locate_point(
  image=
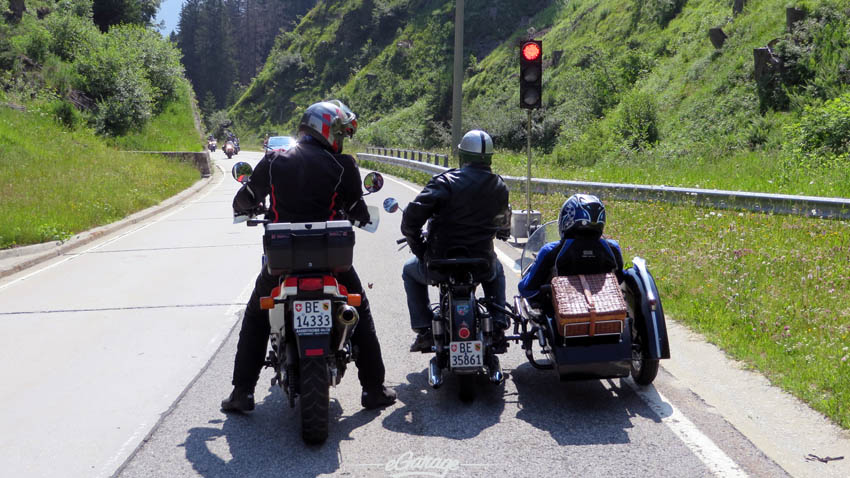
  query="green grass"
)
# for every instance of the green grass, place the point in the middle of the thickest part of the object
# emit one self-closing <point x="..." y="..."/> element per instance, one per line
<point x="742" y="171"/>
<point x="768" y="289"/>
<point x="171" y="130"/>
<point x="55" y="183"/>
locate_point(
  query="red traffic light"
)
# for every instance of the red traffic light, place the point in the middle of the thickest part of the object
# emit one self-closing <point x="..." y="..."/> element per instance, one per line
<point x="530" y="51"/>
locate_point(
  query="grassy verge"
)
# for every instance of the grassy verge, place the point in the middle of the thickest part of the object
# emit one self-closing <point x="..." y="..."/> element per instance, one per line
<point x="768" y="289"/>
<point x="745" y="171"/>
<point x="171" y="130"/>
<point x="55" y="183"/>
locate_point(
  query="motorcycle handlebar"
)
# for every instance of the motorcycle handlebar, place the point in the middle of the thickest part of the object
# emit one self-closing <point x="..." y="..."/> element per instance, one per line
<point x="401" y="241"/>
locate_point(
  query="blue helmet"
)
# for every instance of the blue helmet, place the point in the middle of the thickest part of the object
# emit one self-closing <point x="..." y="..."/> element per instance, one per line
<point x="581" y="215"/>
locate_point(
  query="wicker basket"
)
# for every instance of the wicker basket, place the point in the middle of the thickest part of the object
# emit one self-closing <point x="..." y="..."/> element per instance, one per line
<point x="588" y="305"/>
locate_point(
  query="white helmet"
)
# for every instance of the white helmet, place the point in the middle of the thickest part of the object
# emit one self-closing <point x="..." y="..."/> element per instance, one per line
<point x="476" y="146"/>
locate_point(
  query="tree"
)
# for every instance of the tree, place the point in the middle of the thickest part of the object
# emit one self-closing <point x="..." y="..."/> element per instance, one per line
<point x="113" y="12"/>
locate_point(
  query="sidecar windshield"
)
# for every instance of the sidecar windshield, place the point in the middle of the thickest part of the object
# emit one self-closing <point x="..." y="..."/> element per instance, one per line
<point x="541" y="236"/>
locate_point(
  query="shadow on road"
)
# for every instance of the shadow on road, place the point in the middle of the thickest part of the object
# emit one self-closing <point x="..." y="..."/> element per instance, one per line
<point x="429" y="412"/>
<point x="584" y="412"/>
<point x="268" y="442"/>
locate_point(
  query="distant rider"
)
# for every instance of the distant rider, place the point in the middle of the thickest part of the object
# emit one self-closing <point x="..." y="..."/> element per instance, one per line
<point x="581" y="250"/>
<point x="309" y="182"/>
<point x="467" y="208"/>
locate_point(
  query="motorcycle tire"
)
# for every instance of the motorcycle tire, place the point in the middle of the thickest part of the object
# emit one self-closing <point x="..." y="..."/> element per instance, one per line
<point x="314" y="400"/>
<point x="229" y="155"/>
<point x="466" y="391"/>
<point x="643" y="369"/>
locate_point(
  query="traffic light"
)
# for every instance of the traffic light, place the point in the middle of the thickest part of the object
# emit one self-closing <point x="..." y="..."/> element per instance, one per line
<point x="530" y="74"/>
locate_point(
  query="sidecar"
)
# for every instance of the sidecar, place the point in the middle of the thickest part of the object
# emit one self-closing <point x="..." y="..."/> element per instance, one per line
<point x="628" y="338"/>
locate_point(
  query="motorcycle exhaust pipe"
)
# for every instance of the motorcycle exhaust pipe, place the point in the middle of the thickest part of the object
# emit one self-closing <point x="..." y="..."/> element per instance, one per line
<point x="346" y="319"/>
<point x="435" y="375"/>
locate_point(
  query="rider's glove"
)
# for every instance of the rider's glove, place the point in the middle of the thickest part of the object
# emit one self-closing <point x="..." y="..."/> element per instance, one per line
<point x="503" y="234"/>
<point x="417" y="247"/>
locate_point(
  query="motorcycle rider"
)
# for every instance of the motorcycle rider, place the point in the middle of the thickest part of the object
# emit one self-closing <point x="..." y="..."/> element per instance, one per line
<point x="581" y="250"/>
<point x="312" y="181"/>
<point x="467" y="208"/>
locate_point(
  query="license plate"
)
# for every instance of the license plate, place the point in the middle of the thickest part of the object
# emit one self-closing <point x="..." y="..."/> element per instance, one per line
<point x="311" y="317"/>
<point x="466" y="354"/>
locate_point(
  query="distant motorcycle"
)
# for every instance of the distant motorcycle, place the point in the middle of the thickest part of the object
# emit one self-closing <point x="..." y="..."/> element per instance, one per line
<point x="211" y="144"/>
<point x="229" y="149"/>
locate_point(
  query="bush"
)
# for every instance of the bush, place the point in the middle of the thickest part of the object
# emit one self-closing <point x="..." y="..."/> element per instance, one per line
<point x="636" y="120"/>
<point x="128" y="105"/>
<point x="159" y="60"/>
<point x="591" y="146"/>
<point x="110" y="74"/>
<point x="822" y="133"/>
<point x="32" y="40"/>
<point x="662" y="11"/>
<point x="72" y="35"/>
<point x="66" y="114"/>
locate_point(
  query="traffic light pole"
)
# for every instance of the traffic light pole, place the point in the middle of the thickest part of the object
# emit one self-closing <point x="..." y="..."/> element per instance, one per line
<point x="528" y="178"/>
<point x="457" y="87"/>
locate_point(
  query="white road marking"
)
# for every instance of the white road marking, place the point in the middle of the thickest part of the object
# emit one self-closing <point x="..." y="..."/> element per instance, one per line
<point x="507" y="261"/>
<point x="417" y="191"/>
<point x="702" y="447"/>
<point x="108" y="468"/>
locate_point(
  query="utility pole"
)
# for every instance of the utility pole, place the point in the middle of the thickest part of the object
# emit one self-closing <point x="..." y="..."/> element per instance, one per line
<point x="457" y="84"/>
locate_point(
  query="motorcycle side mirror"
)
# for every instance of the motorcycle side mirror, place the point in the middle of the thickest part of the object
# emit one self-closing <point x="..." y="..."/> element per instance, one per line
<point x="242" y="171"/>
<point x="391" y="205"/>
<point x="373" y="182"/>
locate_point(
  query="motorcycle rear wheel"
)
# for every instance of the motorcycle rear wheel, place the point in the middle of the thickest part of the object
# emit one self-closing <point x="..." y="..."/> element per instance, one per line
<point x="314" y="400"/>
<point x="466" y="383"/>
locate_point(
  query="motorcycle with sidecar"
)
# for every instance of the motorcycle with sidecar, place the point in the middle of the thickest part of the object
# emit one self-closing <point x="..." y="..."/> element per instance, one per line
<point x="592" y="345"/>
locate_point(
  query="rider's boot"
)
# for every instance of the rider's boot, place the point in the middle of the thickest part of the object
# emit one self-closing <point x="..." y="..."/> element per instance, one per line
<point x="378" y="398"/>
<point x="240" y="400"/>
<point x="423" y="342"/>
<point x="500" y="344"/>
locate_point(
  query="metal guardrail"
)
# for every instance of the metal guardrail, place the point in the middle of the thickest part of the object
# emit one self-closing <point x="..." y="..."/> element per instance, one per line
<point x="421" y="156"/>
<point x="811" y="206"/>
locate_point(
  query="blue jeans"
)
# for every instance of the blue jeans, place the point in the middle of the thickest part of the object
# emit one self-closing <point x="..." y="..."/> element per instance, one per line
<point x="415" y="277"/>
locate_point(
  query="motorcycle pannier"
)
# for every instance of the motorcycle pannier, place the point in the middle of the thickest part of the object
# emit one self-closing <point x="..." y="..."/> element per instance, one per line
<point x="308" y="247"/>
<point x="588" y="305"/>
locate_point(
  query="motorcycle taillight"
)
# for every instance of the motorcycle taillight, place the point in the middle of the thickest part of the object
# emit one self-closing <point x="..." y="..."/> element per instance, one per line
<point x="311" y="283"/>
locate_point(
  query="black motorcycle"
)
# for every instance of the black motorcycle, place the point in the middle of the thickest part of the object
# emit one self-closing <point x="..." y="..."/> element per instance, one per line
<point x="462" y="325"/>
<point x="312" y="316"/>
<point x="594" y="346"/>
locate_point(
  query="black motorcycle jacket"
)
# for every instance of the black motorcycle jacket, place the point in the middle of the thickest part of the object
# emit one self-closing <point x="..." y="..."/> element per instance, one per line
<point x="306" y="183"/>
<point x="466" y="208"/>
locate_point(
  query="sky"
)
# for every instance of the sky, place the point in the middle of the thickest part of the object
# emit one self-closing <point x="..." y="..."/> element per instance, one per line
<point x="169" y="10"/>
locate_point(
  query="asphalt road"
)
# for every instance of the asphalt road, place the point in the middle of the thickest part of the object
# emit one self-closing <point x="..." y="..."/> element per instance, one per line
<point x="116" y="358"/>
